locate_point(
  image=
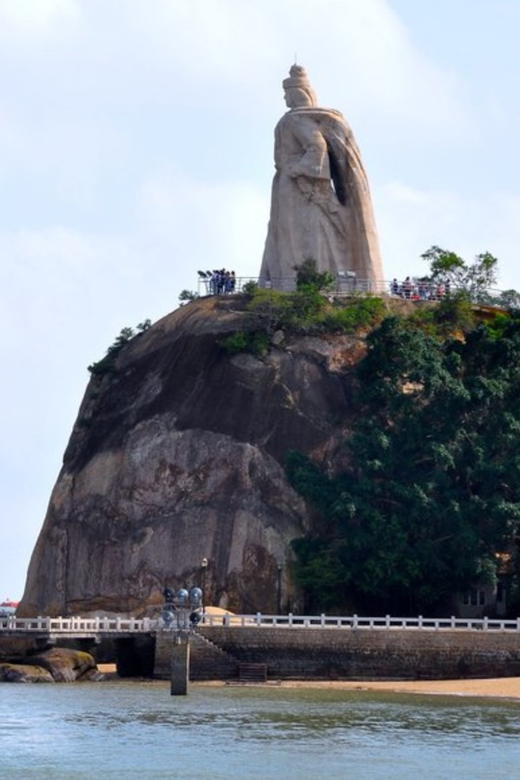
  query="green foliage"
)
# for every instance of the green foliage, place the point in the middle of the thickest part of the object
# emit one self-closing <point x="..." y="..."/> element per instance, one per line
<point x="250" y="288"/>
<point x="187" y="295"/>
<point x="307" y="275"/>
<point x="472" y="280"/>
<point x="454" y="313"/>
<point x="354" y="314"/>
<point x="308" y="311"/>
<point x="432" y="494"/>
<point x="256" y="343"/>
<point x="106" y="364"/>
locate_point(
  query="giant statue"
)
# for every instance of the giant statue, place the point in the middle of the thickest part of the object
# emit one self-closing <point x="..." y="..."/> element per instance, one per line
<point x="321" y="208"/>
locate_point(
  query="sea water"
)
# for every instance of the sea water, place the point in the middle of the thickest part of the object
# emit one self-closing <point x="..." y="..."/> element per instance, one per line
<point x="127" y="729"/>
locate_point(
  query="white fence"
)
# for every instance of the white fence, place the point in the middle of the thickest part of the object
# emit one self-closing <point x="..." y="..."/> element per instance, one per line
<point x="77" y="625"/>
<point x="120" y="625"/>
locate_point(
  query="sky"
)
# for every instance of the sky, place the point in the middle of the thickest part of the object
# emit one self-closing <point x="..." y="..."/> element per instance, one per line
<point x="136" y="146"/>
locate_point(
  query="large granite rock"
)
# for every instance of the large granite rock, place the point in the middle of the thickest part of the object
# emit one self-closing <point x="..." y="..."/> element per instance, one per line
<point x="177" y="455"/>
<point x="59" y="664"/>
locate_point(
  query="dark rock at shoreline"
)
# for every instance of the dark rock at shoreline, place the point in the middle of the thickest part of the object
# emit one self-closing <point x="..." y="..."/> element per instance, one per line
<point x="24" y="673"/>
<point x="54" y="665"/>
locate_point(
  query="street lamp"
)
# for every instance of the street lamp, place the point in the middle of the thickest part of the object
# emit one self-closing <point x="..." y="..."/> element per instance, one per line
<point x="182" y="609"/>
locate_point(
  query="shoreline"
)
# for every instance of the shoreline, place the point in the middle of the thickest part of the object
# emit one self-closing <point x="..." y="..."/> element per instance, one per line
<point x="488" y="687"/>
<point x="492" y="688"/>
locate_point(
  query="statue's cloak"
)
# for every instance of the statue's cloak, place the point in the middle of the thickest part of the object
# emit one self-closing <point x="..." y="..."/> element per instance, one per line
<point x="321" y="207"/>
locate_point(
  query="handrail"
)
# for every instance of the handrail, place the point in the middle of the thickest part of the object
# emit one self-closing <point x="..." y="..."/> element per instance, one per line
<point x="346" y="284"/>
<point x="117" y="625"/>
<point x="355" y="621"/>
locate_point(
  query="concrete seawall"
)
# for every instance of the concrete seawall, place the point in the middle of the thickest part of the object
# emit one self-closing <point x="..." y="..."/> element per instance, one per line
<point x="304" y="653"/>
<point x="328" y="654"/>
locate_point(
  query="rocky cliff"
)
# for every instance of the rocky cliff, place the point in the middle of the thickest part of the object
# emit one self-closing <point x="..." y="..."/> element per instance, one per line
<point x="177" y="455"/>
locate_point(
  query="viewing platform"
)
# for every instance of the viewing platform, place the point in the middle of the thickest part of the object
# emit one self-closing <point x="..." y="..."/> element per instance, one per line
<point x="346" y="284"/>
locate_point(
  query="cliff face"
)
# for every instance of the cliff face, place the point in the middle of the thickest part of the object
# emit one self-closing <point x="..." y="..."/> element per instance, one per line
<point x="177" y="456"/>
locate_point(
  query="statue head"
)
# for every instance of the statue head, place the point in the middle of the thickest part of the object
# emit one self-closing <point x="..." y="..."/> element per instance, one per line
<point x="298" y="90"/>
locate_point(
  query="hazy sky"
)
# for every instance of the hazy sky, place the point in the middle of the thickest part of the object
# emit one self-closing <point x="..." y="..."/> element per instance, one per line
<point x="136" y="143"/>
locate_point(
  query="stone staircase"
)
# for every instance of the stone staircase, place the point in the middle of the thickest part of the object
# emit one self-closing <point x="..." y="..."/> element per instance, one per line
<point x="210" y="662"/>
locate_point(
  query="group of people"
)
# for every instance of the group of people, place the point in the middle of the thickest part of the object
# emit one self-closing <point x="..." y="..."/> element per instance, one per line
<point x="420" y="289"/>
<point x="219" y="282"/>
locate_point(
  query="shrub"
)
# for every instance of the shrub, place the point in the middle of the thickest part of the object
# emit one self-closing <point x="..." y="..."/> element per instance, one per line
<point x="307" y="275"/>
<point x="237" y="342"/>
<point x="257" y="343"/>
<point x="355" y="314"/>
<point x="250" y="288"/>
<point x="126" y="334"/>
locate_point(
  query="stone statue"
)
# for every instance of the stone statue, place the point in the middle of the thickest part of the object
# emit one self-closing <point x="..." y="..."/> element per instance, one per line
<point x="320" y="207"/>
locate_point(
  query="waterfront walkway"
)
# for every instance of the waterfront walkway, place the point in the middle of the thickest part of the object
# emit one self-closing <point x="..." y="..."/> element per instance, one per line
<point x="85" y="627"/>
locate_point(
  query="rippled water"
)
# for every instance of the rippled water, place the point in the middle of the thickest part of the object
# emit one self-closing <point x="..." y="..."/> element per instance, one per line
<point x="133" y="729"/>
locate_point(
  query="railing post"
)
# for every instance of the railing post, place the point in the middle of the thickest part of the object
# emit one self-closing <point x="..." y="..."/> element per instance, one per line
<point x="258" y="618"/>
<point x="387" y="621"/>
<point x="452" y="624"/>
<point x="420" y="621"/>
<point x="290" y="617"/>
<point x="322" y="620"/>
<point x="485" y="623"/>
<point x="354" y="621"/>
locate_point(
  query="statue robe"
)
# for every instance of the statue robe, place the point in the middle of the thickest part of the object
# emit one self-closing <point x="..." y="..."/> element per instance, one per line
<point x="320" y="206"/>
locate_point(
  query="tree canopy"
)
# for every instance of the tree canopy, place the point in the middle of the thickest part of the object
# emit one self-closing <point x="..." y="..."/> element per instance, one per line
<point x="471" y="279"/>
<point x="432" y="493"/>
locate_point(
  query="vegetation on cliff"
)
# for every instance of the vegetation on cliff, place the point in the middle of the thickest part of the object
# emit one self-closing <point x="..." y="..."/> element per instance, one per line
<point x="312" y="308"/>
<point x="431" y="501"/>
<point x="125" y="335"/>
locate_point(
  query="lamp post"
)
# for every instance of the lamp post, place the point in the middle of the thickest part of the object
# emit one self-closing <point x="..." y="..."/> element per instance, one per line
<point x="279" y="568"/>
<point x="182" y="611"/>
<point x="203" y="566"/>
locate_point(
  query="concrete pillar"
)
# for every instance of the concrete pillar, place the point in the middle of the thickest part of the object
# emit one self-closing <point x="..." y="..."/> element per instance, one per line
<point x="180" y="665"/>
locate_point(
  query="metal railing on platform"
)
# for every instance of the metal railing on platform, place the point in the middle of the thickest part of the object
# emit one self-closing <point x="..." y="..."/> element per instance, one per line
<point x="118" y="625"/>
<point x="345" y="284"/>
<point x="348" y="285"/>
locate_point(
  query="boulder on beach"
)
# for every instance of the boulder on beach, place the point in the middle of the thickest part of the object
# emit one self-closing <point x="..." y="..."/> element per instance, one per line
<point x="58" y="664"/>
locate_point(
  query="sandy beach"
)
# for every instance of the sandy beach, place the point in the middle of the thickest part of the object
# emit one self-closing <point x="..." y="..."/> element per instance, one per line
<point x="503" y="687"/>
<point x="499" y="687"/>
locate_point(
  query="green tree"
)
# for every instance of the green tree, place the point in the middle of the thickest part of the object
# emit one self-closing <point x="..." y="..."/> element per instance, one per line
<point x="433" y="491"/>
<point x="186" y="296"/>
<point x="472" y="280"/>
<point x="307" y="275"/>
